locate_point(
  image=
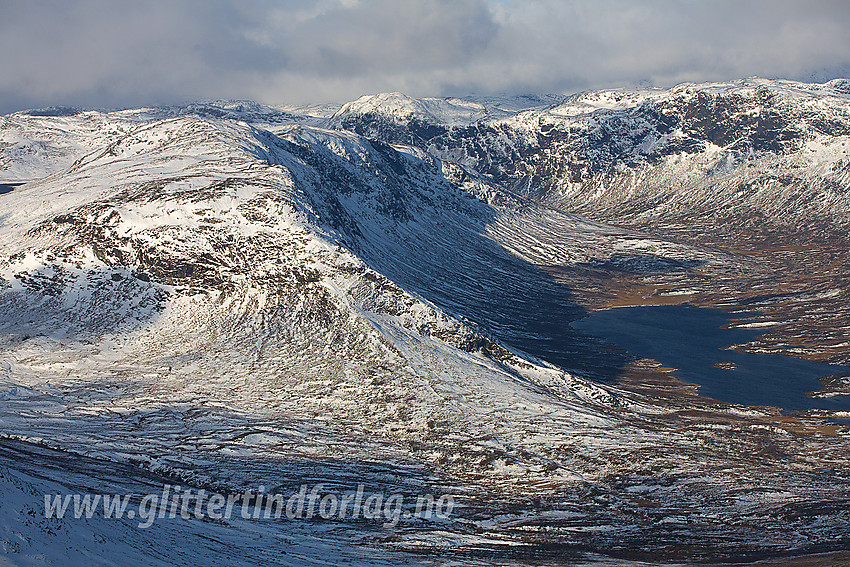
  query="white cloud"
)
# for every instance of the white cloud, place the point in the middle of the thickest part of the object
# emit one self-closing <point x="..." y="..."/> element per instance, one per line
<point x="103" y="53"/>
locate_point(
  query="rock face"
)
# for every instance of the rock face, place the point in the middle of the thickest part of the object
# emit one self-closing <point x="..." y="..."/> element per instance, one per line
<point x="231" y="294"/>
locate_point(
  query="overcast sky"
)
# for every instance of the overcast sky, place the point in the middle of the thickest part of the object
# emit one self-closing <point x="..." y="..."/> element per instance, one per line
<point x="98" y="53"/>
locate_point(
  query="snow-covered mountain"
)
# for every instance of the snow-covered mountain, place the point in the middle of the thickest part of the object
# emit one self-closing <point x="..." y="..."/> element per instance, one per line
<point x="776" y="148"/>
<point x="232" y="295"/>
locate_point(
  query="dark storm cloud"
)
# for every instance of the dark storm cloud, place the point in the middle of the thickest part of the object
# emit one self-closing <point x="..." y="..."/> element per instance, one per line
<point x="99" y="53"/>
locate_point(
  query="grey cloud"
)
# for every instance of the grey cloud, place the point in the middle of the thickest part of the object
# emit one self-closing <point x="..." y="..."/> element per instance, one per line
<point x="103" y="53"/>
<point x="388" y="36"/>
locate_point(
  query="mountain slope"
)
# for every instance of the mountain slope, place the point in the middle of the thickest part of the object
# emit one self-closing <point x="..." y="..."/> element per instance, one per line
<point x="230" y="227"/>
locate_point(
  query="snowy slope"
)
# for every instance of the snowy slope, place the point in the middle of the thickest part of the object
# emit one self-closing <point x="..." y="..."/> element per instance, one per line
<point x="36" y="143"/>
<point x="33" y="146"/>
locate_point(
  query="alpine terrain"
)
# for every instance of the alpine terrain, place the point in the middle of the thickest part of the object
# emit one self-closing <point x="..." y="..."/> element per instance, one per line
<point x="226" y="296"/>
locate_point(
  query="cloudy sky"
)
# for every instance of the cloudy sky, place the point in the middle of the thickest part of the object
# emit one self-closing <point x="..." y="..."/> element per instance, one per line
<point x="99" y="53"/>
